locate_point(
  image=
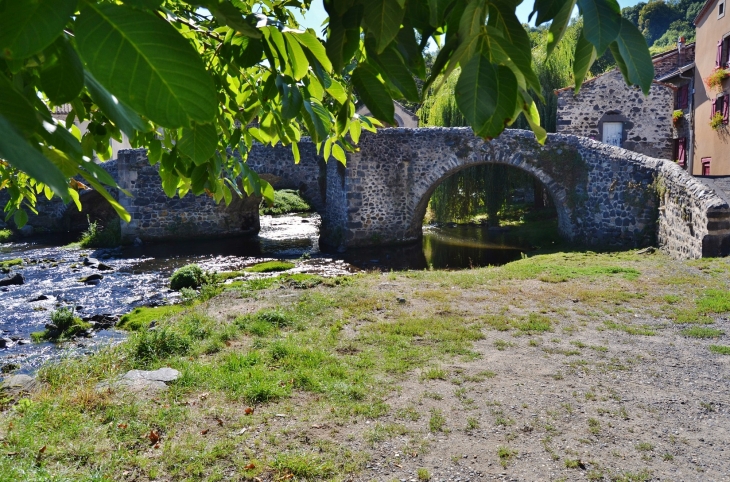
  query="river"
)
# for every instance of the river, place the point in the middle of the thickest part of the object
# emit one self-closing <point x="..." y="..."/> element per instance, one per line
<point x="139" y="274"/>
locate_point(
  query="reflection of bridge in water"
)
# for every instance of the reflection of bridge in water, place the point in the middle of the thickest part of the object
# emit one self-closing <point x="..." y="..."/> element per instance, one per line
<point x="603" y="195"/>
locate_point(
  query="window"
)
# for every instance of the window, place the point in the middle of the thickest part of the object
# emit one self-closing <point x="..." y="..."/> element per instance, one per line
<point x="722" y="58"/>
<point x="680" y="151"/>
<point x="682" y="100"/>
<point x="722" y="105"/>
<point x="721" y="9"/>
<point x="613" y="133"/>
<point x="706" y="166"/>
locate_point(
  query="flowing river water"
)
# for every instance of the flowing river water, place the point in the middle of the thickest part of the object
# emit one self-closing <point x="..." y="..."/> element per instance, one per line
<point x="139" y="275"/>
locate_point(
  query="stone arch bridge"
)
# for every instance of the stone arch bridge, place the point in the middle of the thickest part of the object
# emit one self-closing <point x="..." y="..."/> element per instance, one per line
<point x="605" y="196"/>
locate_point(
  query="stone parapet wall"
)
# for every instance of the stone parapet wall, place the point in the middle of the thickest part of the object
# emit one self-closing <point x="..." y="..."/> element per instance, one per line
<point x="157" y="217"/>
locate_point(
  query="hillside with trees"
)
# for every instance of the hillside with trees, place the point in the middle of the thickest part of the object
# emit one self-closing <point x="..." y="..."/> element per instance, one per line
<point x="663" y="22"/>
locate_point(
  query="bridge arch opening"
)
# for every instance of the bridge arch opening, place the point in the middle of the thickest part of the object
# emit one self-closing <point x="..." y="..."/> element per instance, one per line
<point x="486" y="214"/>
<point x="94" y="209"/>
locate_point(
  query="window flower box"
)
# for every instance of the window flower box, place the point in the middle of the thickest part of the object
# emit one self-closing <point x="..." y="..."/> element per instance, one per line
<point x="714" y="80"/>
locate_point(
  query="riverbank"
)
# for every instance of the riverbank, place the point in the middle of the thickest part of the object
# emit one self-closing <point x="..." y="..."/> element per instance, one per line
<point x="557" y="367"/>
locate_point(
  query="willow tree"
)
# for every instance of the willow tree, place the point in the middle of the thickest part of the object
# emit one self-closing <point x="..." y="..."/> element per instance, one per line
<point x="186" y="79"/>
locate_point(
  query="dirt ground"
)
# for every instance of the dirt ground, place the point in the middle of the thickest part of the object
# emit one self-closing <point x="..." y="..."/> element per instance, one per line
<point x="582" y="401"/>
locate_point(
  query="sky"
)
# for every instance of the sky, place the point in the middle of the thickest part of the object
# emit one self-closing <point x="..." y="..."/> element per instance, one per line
<point x="316" y="15"/>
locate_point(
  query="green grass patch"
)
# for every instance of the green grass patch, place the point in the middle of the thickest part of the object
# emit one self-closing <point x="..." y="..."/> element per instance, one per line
<point x="630" y="329"/>
<point x="533" y="323"/>
<point x="702" y="332"/>
<point x="140" y="318"/>
<point x="505" y="454"/>
<point x="285" y="201"/>
<point x="8" y="263"/>
<point x="714" y="301"/>
<point x="6" y="235"/>
<point x="561" y="267"/>
<point x="720" y="349"/>
<point x="270" y="267"/>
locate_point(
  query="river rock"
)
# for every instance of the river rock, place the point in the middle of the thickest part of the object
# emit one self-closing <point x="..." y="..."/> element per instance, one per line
<point x="6" y="342"/>
<point x="16" y="279"/>
<point x="91" y="278"/>
<point x="38" y="298"/>
<point x="142" y="381"/>
<point x="19" y="384"/>
<point x="90" y="262"/>
<point x="104" y="267"/>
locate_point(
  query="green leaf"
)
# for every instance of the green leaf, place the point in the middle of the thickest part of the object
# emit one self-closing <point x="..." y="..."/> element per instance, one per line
<point x="16" y="108"/>
<point x="226" y="13"/>
<point x="27" y="27"/>
<point x="123" y="117"/>
<point x="529" y="109"/>
<point x="299" y="63"/>
<point x="291" y="99"/>
<point x="616" y="52"/>
<point x="396" y="71"/>
<point x="437" y="11"/>
<point x="198" y="179"/>
<point x="635" y="54"/>
<point x="486" y="94"/>
<point x="382" y="19"/>
<point x="514" y="59"/>
<point x="146" y="63"/>
<point x="198" y="142"/>
<point x="295" y="152"/>
<point x="150" y="4"/>
<point x="355" y="130"/>
<point x="246" y="51"/>
<point x="310" y="40"/>
<point x="337" y="92"/>
<point x="20" y="217"/>
<point x="339" y="153"/>
<point x="19" y="154"/>
<point x="410" y="50"/>
<point x="168" y="174"/>
<point x="343" y="36"/>
<point x="63" y="79"/>
<point x="547" y="9"/>
<point x="441" y="59"/>
<point x="602" y="19"/>
<point x="559" y="25"/>
<point x="373" y="93"/>
<point x="585" y="55"/>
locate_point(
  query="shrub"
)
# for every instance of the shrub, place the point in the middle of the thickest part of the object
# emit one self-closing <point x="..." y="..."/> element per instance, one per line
<point x="189" y="276"/>
<point x="286" y="201"/>
<point x="97" y="236"/>
<point x="270" y="267"/>
<point x="5" y="235"/>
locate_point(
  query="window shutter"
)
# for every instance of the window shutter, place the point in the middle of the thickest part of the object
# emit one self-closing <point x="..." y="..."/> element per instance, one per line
<point x="725" y="105"/>
<point x="718" y="56"/>
<point x="714" y="109"/>
<point x="683" y="96"/>
<point x="681" y="150"/>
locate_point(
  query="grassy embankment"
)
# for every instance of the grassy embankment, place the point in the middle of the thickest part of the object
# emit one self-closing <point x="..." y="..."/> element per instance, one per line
<point x="324" y="369"/>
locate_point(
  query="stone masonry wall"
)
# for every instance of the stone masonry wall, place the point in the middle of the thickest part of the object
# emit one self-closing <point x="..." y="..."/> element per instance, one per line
<point x="604" y="195"/>
<point x="647" y="119"/>
<point x="157" y="217"/>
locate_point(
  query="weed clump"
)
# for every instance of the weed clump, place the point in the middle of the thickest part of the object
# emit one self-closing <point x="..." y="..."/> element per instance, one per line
<point x="702" y="332"/>
<point x="64" y="325"/>
<point x="6" y="235"/>
<point x="154" y="345"/>
<point x="720" y="349"/>
<point x="97" y="236"/>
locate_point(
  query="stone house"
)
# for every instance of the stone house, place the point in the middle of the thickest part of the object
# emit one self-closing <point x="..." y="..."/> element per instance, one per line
<point x="608" y="110"/>
<point x="711" y="143"/>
